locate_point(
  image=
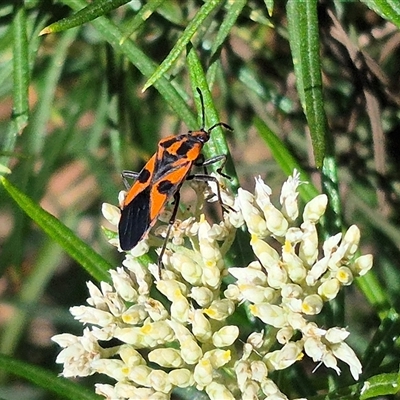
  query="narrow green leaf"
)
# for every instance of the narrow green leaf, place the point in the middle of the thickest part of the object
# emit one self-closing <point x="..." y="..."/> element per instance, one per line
<point x="330" y="184"/>
<point x="141" y="17"/>
<point x="262" y="92"/>
<point x="233" y="11"/>
<point x="20" y="67"/>
<point x="37" y="127"/>
<point x="4" y="170"/>
<point x="304" y="43"/>
<point x="375" y="292"/>
<point x="285" y="160"/>
<point x="46" y="380"/>
<point x="18" y="71"/>
<point x="388" y="9"/>
<point x="20" y="75"/>
<point x="270" y="6"/>
<point x="375" y="387"/>
<point x="381" y="385"/>
<point x="144" y="64"/>
<point x="217" y="144"/>
<point x="94" y="264"/>
<point x="383" y="342"/>
<point x="173" y="12"/>
<point x="180" y="45"/>
<point x="90" y="12"/>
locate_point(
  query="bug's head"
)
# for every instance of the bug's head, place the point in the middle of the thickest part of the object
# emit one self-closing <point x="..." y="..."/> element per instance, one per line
<point x="201" y="135"/>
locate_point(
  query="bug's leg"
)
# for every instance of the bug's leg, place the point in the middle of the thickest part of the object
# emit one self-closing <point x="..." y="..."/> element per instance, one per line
<point x="208" y="178"/>
<point x="214" y="160"/>
<point x="200" y="163"/>
<point x="128" y="175"/>
<point x="177" y="197"/>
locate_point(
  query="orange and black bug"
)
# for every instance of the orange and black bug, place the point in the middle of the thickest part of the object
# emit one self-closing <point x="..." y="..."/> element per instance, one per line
<point x="160" y="180"/>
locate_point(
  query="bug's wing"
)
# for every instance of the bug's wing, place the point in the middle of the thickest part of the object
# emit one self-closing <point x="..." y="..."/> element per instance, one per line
<point x="163" y="189"/>
<point x="140" y="214"/>
<point x="142" y="181"/>
<point x="135" y="213"/>
<point x="135" y="220"/>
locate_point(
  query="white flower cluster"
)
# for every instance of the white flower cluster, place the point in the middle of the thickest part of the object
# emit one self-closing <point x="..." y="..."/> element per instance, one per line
<point x="174" y="331"/>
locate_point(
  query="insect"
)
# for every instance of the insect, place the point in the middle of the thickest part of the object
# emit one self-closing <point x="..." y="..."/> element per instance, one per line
<point x="161" y="179"/>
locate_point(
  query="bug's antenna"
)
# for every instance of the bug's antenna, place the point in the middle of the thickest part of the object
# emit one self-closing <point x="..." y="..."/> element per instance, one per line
<point x="203" y="114"/>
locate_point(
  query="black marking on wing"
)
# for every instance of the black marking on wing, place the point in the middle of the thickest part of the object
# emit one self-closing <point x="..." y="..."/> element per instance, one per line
<point x="144" y="175"/>
<point x="167" y="168"/>
<point x="165" y="186"/>
<point x="135" y="220"/>
<point x="184" y="148"/>
<point x="167" y="143"/>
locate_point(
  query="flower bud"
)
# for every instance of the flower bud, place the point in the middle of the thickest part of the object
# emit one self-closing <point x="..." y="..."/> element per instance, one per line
<point x="225" y="336"/>
<point x="181" y="377"/>
<point x="363" y="264"/>
<point x="166" y="357"/>
<point x="329" y="289"/>
<point x="315" y="208"/>
<point x="312" y="304"/>
<point x="217" y="391"/>
<point x="202" y="295"/>
<point x="220" y="309"/>
<point x="203" y="373"/>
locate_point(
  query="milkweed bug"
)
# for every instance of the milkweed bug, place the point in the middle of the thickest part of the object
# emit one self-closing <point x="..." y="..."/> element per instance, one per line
<point x="161" y="179"/>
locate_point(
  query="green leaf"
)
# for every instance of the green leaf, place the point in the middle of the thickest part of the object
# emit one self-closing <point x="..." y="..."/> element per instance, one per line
<point x="285" y="159"/>
<point x="20" y="68"/>
<point x="180" y="45"/>
<point x="18" y="71"/>
<point x="381" y="385"/>
<point x="270" y="6"/>
<point x="233" y="11"/>
<point x="383" y="342"/>
<point x="46" y="380"/>
<point x="20" y="79"/>
<point x="94" y="264"/>
<point x="217" y="144"/>
<point x="374" y="387"/>
<point x="304" y="43"/>
<point x="90" y="12"/>
<point x="141" y="17"/>
<point x="46" y="93"/>
<point x="330" y="184"/>
<point x="144" y="64"/>
<point x="388" y="9"/>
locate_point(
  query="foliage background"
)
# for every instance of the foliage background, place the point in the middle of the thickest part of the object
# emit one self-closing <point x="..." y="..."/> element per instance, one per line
<point x="73" y="115"/>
